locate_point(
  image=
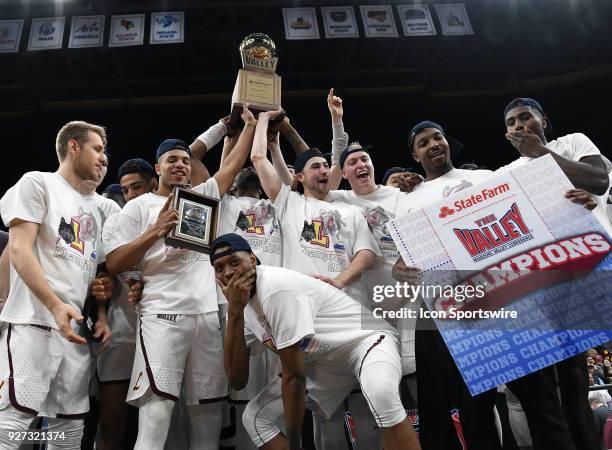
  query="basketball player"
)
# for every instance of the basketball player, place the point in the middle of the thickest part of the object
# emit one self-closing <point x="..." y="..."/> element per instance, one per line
<point x="323" y="340"/>
<point x="178" y="336"/>
<point x="55" y="243"/>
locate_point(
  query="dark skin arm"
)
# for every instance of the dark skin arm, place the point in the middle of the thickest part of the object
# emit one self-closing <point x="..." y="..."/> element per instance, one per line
<point x="235" y="351"/>
<point x="295" y="140"/>
<point x="294" y="392"/>
<point x="589" y="173"/>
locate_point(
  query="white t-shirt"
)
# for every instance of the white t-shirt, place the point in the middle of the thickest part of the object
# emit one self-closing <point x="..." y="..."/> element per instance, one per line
<point x="255" y="220"/>
<point x="121" y="314"/>
<point x="378" y="207"/>
<point x="574" y="147"/>
<point x="290" y="307"/>
<point x="68" y="244"/>
<point x="321" y="237"/>
<point x="176" y="281"/>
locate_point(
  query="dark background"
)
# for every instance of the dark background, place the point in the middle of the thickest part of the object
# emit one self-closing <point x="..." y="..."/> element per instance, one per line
<point x="558" y="51"/>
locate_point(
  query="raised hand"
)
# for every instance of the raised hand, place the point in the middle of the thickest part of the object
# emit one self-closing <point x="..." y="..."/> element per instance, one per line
<point x="247" y="116"/>
<point x="334" y="103"/>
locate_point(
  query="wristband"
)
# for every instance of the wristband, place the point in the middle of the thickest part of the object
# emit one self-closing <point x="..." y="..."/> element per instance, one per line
<point x="213" y="135"/>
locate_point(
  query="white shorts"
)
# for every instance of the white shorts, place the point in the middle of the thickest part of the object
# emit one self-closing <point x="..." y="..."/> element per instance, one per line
<point x="114" y="362"/>
<point x="179" y="348"/>
<point x="329" y="381"/>
<point x="42" y="373"/>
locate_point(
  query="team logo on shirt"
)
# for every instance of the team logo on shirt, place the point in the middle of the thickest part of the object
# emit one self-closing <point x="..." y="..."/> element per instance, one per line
<point x="248" y="224"/>
<point x="251" y="220"/>
<point x="81" y="228"/>
<point x="323" y="229"/>
<point x="494" y="235"/>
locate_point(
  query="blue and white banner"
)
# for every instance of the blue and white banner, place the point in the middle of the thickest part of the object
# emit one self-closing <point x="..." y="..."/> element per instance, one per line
<point x="127" y="30"/>
<point x="300" y="23"/>
<point x="339" y="22"/>
<point x="516" y="277"/>
<point x="10" y="35"/>
<point x="167" y="27"/>
<point x="416" y="20"/>
<point x="454" y="19"/>
<point x="86" y="31"/>
<point x="46" y="33"/>
<point x="378" y="21"/>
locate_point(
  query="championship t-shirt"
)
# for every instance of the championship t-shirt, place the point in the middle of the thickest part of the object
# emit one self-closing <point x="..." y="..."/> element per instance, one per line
<point x="121" y="314"/>
<point x="290" y="307"/>
<point x="176" y="281"/>
<point x="321" y="237"/>
<point x="68" y="245"/>
<point x="255" y="220"/>
<point x="574" y="147"/>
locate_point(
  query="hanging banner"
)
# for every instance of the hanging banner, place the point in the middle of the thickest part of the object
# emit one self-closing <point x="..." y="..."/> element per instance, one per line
<point x="339" y="22"/>
<point x="454" y="19"/>
<point x="378" y="21"/>
<point x="10" y="35"/>
<point x="300" y="23"/>
<point x="416" y="20"/>
<point x="167" y="27"/>
<point x="86" y="31"/>
<point x="516" y="276"/>
<point x="127" y="30"/>
<point x="46" y="33"/>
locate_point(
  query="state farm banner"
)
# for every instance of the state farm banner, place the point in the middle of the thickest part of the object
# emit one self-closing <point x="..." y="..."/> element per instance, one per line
<point x="167" y="27"/>
<point x="86" y="31"/>
<point x="127" y="30"/>
<point x="516" y="277"/>
<point x="46" y="33"/>
<point x="10" y="35"/>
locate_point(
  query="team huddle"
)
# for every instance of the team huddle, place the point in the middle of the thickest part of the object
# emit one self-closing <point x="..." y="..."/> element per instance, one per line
<point x="278" y="317"/>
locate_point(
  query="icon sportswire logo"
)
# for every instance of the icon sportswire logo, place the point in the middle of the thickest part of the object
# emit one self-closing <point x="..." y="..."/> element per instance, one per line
<point x="473" y="200"/>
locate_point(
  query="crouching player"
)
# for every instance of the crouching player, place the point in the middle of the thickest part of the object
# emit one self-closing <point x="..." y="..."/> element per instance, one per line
<point x="325" y="340"/>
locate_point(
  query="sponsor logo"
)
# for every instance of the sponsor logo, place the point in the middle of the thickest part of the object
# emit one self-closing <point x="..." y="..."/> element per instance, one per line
<point x="493" y="234"/>
<point x="473" y="200"/>
<point x="136" y="385"/>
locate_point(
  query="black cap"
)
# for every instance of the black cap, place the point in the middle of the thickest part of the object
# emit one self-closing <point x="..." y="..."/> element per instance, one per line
<point x="172" y="144"/>
<point x="454" y="144"/>
<point x="304" y="157"/>
<point x="353" y="147"/>
<point x="135" y="165"/>
<point x="235" y="242"/>
<point x="526" y="101"/>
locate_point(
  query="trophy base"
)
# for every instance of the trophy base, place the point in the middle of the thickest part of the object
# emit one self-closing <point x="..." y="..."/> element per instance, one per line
<point x="261" y="90"/>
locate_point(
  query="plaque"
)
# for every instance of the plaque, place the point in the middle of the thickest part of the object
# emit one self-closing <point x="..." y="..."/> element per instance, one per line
<point x="198" y="219"/>
<point x="257" y="83"/>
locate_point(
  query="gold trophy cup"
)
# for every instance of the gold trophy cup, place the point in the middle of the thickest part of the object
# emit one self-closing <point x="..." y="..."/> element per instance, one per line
<point x="257" y="83"/>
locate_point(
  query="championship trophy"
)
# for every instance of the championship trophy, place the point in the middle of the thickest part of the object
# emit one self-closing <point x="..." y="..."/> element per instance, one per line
<point x="257" y="83"/>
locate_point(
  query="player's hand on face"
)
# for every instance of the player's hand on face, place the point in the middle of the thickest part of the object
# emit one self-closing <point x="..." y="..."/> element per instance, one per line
<point x="408" y="180"/>
<point x="581" y="197"/>
<point x="102" y="287"/>
<point x="63" y="314"/>
<point x="527" y="143"/>
<point x="238" y="288"/>
<point x="135" y="291"/>
<point x="338" y="284"/>
<point x="103" y="331"/>
<point x="404" y="273"/>
<point x="166" y="220"/>
<point x="334" y="104"/>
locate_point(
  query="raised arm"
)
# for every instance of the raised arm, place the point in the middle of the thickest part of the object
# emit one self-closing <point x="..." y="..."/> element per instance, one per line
<point x="21" y="242"/>
<point x="236" y="158"/>
<point x="339" y="138"/>
<point x="201" y="145"/>
<point x="270" y="181"/>
<point x="295" y="140"/>
<point x="228" y="145"/>
<point x="279" y="161"/>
